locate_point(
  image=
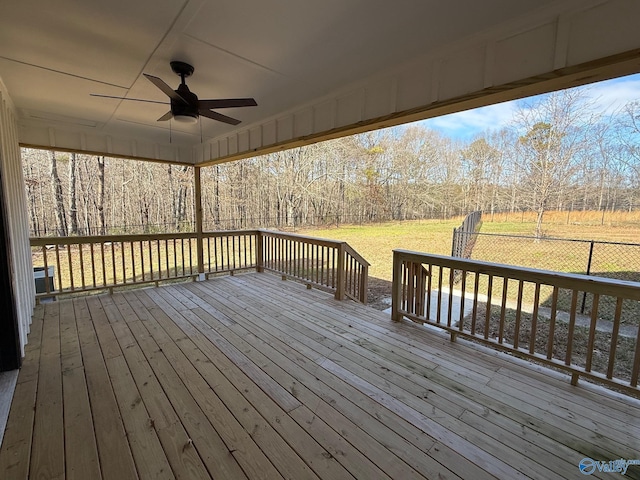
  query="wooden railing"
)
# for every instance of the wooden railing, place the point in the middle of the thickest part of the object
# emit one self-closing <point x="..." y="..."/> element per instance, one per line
<point x="529" y="313"/>
<point x="82" y="264"/>
<point x="325" y="263"/>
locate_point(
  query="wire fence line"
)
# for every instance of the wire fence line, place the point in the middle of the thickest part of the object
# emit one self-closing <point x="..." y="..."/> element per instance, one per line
<point x="588" y="257"/>
<point x="617" y="260"/>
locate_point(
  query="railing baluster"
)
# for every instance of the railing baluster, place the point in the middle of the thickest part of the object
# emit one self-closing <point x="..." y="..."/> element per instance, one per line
<point x="614" y="337"/>
<point x="516" y="333"/>
<point x="124" y="271"/>
<point x="450" y="304"/>
<point x="93" y="264"/>
<point x="150" y="245"/>
<point x="636" y="363"/>
<point x="113" y="263"/>
<point x="474" y="309"/>
<point x="463" y="289"/>
<point x="81" y="265"/>
<point x="572" y="324"/>
<point x="487" y="319"/>
<point x="142" y="259"/>
<point x="104" y="265"/>
<point x="592" y="331"/>
<point x="228" y="255"/>
<point x="159" y="251"/>
<point x="46" y="269"/>
<point x="552" y="322"/>
<point x="427" y="294"/>
<point x="439" y="307"/>
<point x="175" y="259"/>
<point x="534" y="319"/>
<point x="166" y="257"/>
<point x="233" y="249"/>
<point x="503" y="309"/>
<point x="59" y="266"/>
<point x="133" y="263"/>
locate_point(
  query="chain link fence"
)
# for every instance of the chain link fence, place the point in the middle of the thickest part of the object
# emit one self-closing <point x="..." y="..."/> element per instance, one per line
<point x="615" y="260"/>
<point x="587" y="257"/>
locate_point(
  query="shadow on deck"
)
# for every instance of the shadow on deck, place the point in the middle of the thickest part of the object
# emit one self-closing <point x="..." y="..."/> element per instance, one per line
<point x="250" y="377"/>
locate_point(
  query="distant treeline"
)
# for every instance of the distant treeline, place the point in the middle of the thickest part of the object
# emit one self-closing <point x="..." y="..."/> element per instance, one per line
<point x="557" y="154"/>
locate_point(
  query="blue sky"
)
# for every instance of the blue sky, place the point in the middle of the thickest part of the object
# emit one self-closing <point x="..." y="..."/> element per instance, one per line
<point x="609" y="96"/>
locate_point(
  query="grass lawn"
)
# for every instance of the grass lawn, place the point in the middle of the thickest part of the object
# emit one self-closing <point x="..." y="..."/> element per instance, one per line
<point x="376" y="242"/>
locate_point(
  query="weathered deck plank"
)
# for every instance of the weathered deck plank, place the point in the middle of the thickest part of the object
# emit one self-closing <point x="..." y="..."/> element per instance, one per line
<point x="252" y="377"/>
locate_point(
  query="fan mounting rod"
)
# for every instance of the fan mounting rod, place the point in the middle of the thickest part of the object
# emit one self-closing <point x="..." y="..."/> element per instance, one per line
<point x="182" y="69"/>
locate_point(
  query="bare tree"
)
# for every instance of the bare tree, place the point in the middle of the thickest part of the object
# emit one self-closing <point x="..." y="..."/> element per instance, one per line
<point x="56" y="185"/>
<point x="553" y="131"/>
<point x="100" y="200"/>
<point x="73" y="204"/>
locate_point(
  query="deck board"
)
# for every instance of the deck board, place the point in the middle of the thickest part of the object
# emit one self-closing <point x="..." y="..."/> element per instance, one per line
<point x="248" y="376"/>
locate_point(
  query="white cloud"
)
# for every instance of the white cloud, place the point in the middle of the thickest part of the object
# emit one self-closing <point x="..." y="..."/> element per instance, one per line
<point x="612" y="95"/>
<point x="465" y="125"/>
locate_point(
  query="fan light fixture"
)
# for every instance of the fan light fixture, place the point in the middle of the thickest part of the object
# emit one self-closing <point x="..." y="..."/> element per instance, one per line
<point x="187" y="119"/>
<point x="185" y="106"/>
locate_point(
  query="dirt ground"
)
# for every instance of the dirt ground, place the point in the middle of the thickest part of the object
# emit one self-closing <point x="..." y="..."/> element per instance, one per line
<point x="379" y="293"/>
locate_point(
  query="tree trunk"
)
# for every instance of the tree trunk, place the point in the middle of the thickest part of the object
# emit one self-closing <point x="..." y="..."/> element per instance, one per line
<point x="539" y="221"/>
<point x="73" y="206"/>
<point x="216" y="199"/>
<point x="61" y="219"/>
<point x="103" y="224"/>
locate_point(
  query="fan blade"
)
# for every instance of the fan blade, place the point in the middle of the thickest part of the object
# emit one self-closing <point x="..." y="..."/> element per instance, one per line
<point x="218" y="116"/>
<point x="166" y="116"/>
<point x="227" y="103"/>
<point x="126" y="98"/>
<point x="166" y="89"/>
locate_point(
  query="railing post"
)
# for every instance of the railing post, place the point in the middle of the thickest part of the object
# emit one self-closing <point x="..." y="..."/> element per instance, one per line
<point x="260" y="260"/>
<point x="198" y="202"/>
<point x="396" y="288"/>
<point x="341" y="277"/>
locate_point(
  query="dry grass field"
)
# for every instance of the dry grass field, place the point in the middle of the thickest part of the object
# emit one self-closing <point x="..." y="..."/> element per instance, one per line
<point x="376" y="242"/>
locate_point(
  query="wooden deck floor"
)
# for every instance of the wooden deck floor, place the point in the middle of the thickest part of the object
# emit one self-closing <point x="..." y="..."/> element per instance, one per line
<point x="251" y="377"/>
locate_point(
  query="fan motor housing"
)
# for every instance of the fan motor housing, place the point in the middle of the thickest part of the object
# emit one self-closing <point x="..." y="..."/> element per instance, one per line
<point x="190" y="108"/>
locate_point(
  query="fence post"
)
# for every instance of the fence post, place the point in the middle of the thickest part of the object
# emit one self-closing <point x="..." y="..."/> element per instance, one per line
<point x="341" y="277"/>
<point x="584" y="294"/>
<point x="259" y="251"/>
<point x="454" y="241"/>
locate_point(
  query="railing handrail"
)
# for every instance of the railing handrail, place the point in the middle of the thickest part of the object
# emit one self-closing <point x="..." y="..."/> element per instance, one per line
<point x="603" y="285"/>
<point x="156" y="257"/>
<point x="326" y="242"/>
<point x="74" y="240"/>
<point x="349" y="249"/>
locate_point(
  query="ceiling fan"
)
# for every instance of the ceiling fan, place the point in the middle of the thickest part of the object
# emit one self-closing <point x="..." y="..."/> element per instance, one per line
<point x="185" y="106"/>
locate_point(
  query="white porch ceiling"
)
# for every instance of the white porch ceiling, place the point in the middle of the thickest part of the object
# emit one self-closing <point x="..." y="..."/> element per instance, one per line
<point x="316" y="69"/>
